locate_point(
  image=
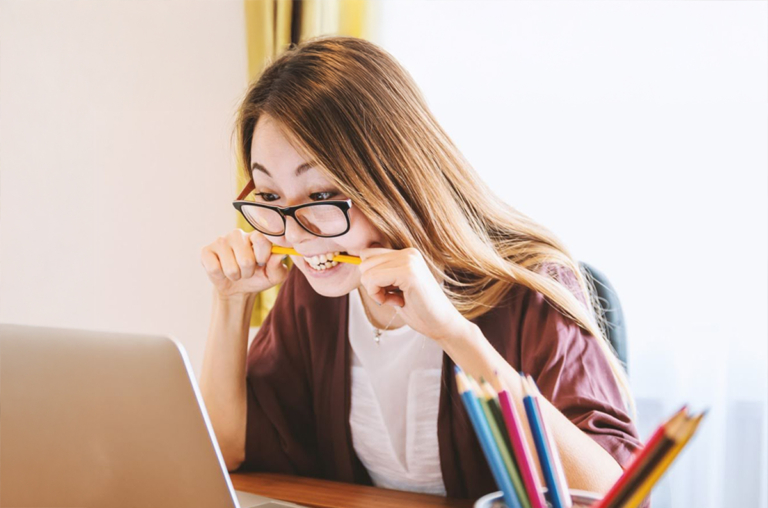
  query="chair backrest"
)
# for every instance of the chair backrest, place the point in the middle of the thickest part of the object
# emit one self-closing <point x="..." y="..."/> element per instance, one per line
<point x="610" y="306"/>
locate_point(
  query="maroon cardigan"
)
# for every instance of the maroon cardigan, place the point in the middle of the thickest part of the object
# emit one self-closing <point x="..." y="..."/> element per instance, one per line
<point x="298" y="386"/>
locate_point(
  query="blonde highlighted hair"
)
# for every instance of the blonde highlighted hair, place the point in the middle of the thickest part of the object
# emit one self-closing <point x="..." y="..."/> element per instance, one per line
<point x="353" y="111"/>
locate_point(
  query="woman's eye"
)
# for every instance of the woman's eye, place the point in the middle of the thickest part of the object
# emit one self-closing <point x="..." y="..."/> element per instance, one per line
<point x="322" y="196"/>
<point x="267" y="196"/>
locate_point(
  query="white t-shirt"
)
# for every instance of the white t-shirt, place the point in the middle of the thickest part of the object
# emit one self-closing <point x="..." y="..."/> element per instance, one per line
<point x="395" y="400"/>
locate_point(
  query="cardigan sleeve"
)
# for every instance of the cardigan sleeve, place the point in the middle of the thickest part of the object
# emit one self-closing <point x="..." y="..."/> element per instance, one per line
<point x="280" y="424"/>
<point x="573" y="373"/>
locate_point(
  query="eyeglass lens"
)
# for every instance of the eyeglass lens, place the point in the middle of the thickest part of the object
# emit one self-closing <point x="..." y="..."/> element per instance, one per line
<point x="321" y="220"/>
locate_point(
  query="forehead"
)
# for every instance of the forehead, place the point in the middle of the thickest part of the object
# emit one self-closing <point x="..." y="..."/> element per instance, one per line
<point x="271" y="142"/>
<point x="273" y="154"/>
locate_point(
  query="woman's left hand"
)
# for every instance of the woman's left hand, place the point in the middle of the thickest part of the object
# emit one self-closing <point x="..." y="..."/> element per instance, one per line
<point x="423" y="305"/>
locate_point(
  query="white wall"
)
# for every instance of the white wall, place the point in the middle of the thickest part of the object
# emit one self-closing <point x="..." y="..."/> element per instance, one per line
<point x="115" y="160"/>
<point x="636" y="131"/>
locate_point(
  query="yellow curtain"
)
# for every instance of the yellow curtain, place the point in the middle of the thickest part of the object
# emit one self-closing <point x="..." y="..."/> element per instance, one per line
<point x="271" y="27"/>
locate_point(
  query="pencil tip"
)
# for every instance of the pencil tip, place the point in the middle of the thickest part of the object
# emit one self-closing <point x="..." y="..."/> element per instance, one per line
<point x="461" y="385"/>
<point x="532" y="384"/>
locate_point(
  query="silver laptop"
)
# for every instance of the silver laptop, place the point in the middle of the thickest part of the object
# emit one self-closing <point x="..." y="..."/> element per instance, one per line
<point x="95" y="419"/>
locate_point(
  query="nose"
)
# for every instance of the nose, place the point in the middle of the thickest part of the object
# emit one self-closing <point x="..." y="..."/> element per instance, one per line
<point x="295" y="234"/>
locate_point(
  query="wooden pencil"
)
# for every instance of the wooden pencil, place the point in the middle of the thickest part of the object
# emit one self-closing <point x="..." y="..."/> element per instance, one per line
<point x="341" y="258"/>
<point x="522" y="452"/>
<point x="557" y="463"/>
<point x="483" y="433"/>
<point x="683" y="436"/>
<point x="535" y="421"/>
<point x="489" y="398"/>
<point x="636" y="462"/>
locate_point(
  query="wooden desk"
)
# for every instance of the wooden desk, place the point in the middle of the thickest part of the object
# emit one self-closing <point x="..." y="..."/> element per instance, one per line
<point x="327" y="494"/>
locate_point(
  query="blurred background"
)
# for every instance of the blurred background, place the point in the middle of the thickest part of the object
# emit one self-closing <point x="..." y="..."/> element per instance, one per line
<point x="637" y="131"/>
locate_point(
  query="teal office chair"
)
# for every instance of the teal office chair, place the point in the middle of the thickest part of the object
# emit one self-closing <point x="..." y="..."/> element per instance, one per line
<point x="610" y="306"/>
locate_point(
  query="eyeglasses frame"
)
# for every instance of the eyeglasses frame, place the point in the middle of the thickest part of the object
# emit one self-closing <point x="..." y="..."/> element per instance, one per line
<point x="290" y="211"/>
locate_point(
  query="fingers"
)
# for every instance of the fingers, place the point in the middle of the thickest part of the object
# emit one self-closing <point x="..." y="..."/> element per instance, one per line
<point x="231" y="263"/>
<point x="372" y="252"/>
<point x="382" y="284"/>
<point x="232" y="256"/>
<point x="394" y="299"/>
<point x="379" y="263"/>
<point x="211" y="264"/>
<point x="373" y="257"/>
<point x="226" y="257"/>
<point x="382" y="274"/>
<point x="377" y="258"/>
<point x="243" y="252"/>
<point x="275" y="271"/>
<point x="262" y="248"/>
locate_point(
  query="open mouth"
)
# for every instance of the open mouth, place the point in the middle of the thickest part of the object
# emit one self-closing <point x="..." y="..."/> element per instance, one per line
<point x="323" y="261"/>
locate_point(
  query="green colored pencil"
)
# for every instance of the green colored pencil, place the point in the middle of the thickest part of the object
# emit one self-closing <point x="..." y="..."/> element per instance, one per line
<point x="497" y="427"/>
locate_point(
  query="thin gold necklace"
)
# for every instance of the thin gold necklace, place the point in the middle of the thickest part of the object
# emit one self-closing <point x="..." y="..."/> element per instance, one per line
<point x="376" y="331"/>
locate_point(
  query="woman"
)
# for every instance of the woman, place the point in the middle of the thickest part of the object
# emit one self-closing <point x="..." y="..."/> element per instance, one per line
<point x="351" y="375"/>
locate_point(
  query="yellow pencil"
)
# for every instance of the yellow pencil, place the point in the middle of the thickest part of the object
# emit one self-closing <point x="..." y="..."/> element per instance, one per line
<point x="341" y="258"/>
<point x="686" y="430"/>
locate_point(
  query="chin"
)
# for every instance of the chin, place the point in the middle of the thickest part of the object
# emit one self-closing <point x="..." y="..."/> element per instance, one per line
<point x="331" y="291"/>
<point x="337" y="282"/>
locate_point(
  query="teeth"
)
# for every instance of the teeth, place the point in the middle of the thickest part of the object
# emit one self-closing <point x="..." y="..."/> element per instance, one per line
<point x="323" y="261"/>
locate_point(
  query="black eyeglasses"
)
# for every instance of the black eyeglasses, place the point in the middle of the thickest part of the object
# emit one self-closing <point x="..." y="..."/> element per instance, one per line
<point x="326" y="219"/>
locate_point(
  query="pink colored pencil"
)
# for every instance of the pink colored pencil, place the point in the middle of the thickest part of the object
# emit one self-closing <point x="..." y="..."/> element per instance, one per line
<point x="522" y="453"/>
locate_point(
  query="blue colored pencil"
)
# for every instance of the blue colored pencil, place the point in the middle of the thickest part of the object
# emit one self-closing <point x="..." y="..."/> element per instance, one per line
<point x="483" y="431"/>
<point x="556" y="462"/>
<point x="535" y="421"/>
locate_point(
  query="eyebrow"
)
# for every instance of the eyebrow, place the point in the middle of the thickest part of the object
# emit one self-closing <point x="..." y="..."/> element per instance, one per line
<point x="303" y="168"/>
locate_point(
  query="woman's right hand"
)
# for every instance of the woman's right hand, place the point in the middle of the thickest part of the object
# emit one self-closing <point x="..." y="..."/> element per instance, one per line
<point x="240" y="263"/>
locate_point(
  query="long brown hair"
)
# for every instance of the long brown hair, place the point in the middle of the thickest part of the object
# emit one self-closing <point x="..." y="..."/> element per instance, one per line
<point x="351" y="109"/>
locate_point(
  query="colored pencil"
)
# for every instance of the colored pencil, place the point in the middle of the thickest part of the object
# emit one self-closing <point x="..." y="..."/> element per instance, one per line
<point x="523" y="456"/>
<point x="656" y="456"/>
<point x="492" y="410"/>
<point x="638" y="460"/>
<point x="684" y="435"/>
<point x="483" y="432"/>
<point x="562" y="483"/>
<point x="341" y="258"/>
<point x="535" y="421"/>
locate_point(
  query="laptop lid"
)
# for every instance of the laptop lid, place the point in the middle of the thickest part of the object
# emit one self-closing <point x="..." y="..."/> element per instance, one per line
<point x="94" y="419"/>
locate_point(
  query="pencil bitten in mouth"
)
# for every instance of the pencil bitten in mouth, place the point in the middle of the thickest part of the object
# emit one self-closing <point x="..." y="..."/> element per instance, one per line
<point x="323" y="261"/>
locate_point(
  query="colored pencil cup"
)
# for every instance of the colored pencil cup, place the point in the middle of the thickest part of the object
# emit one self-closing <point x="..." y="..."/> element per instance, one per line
<point x="580" y="498"/>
